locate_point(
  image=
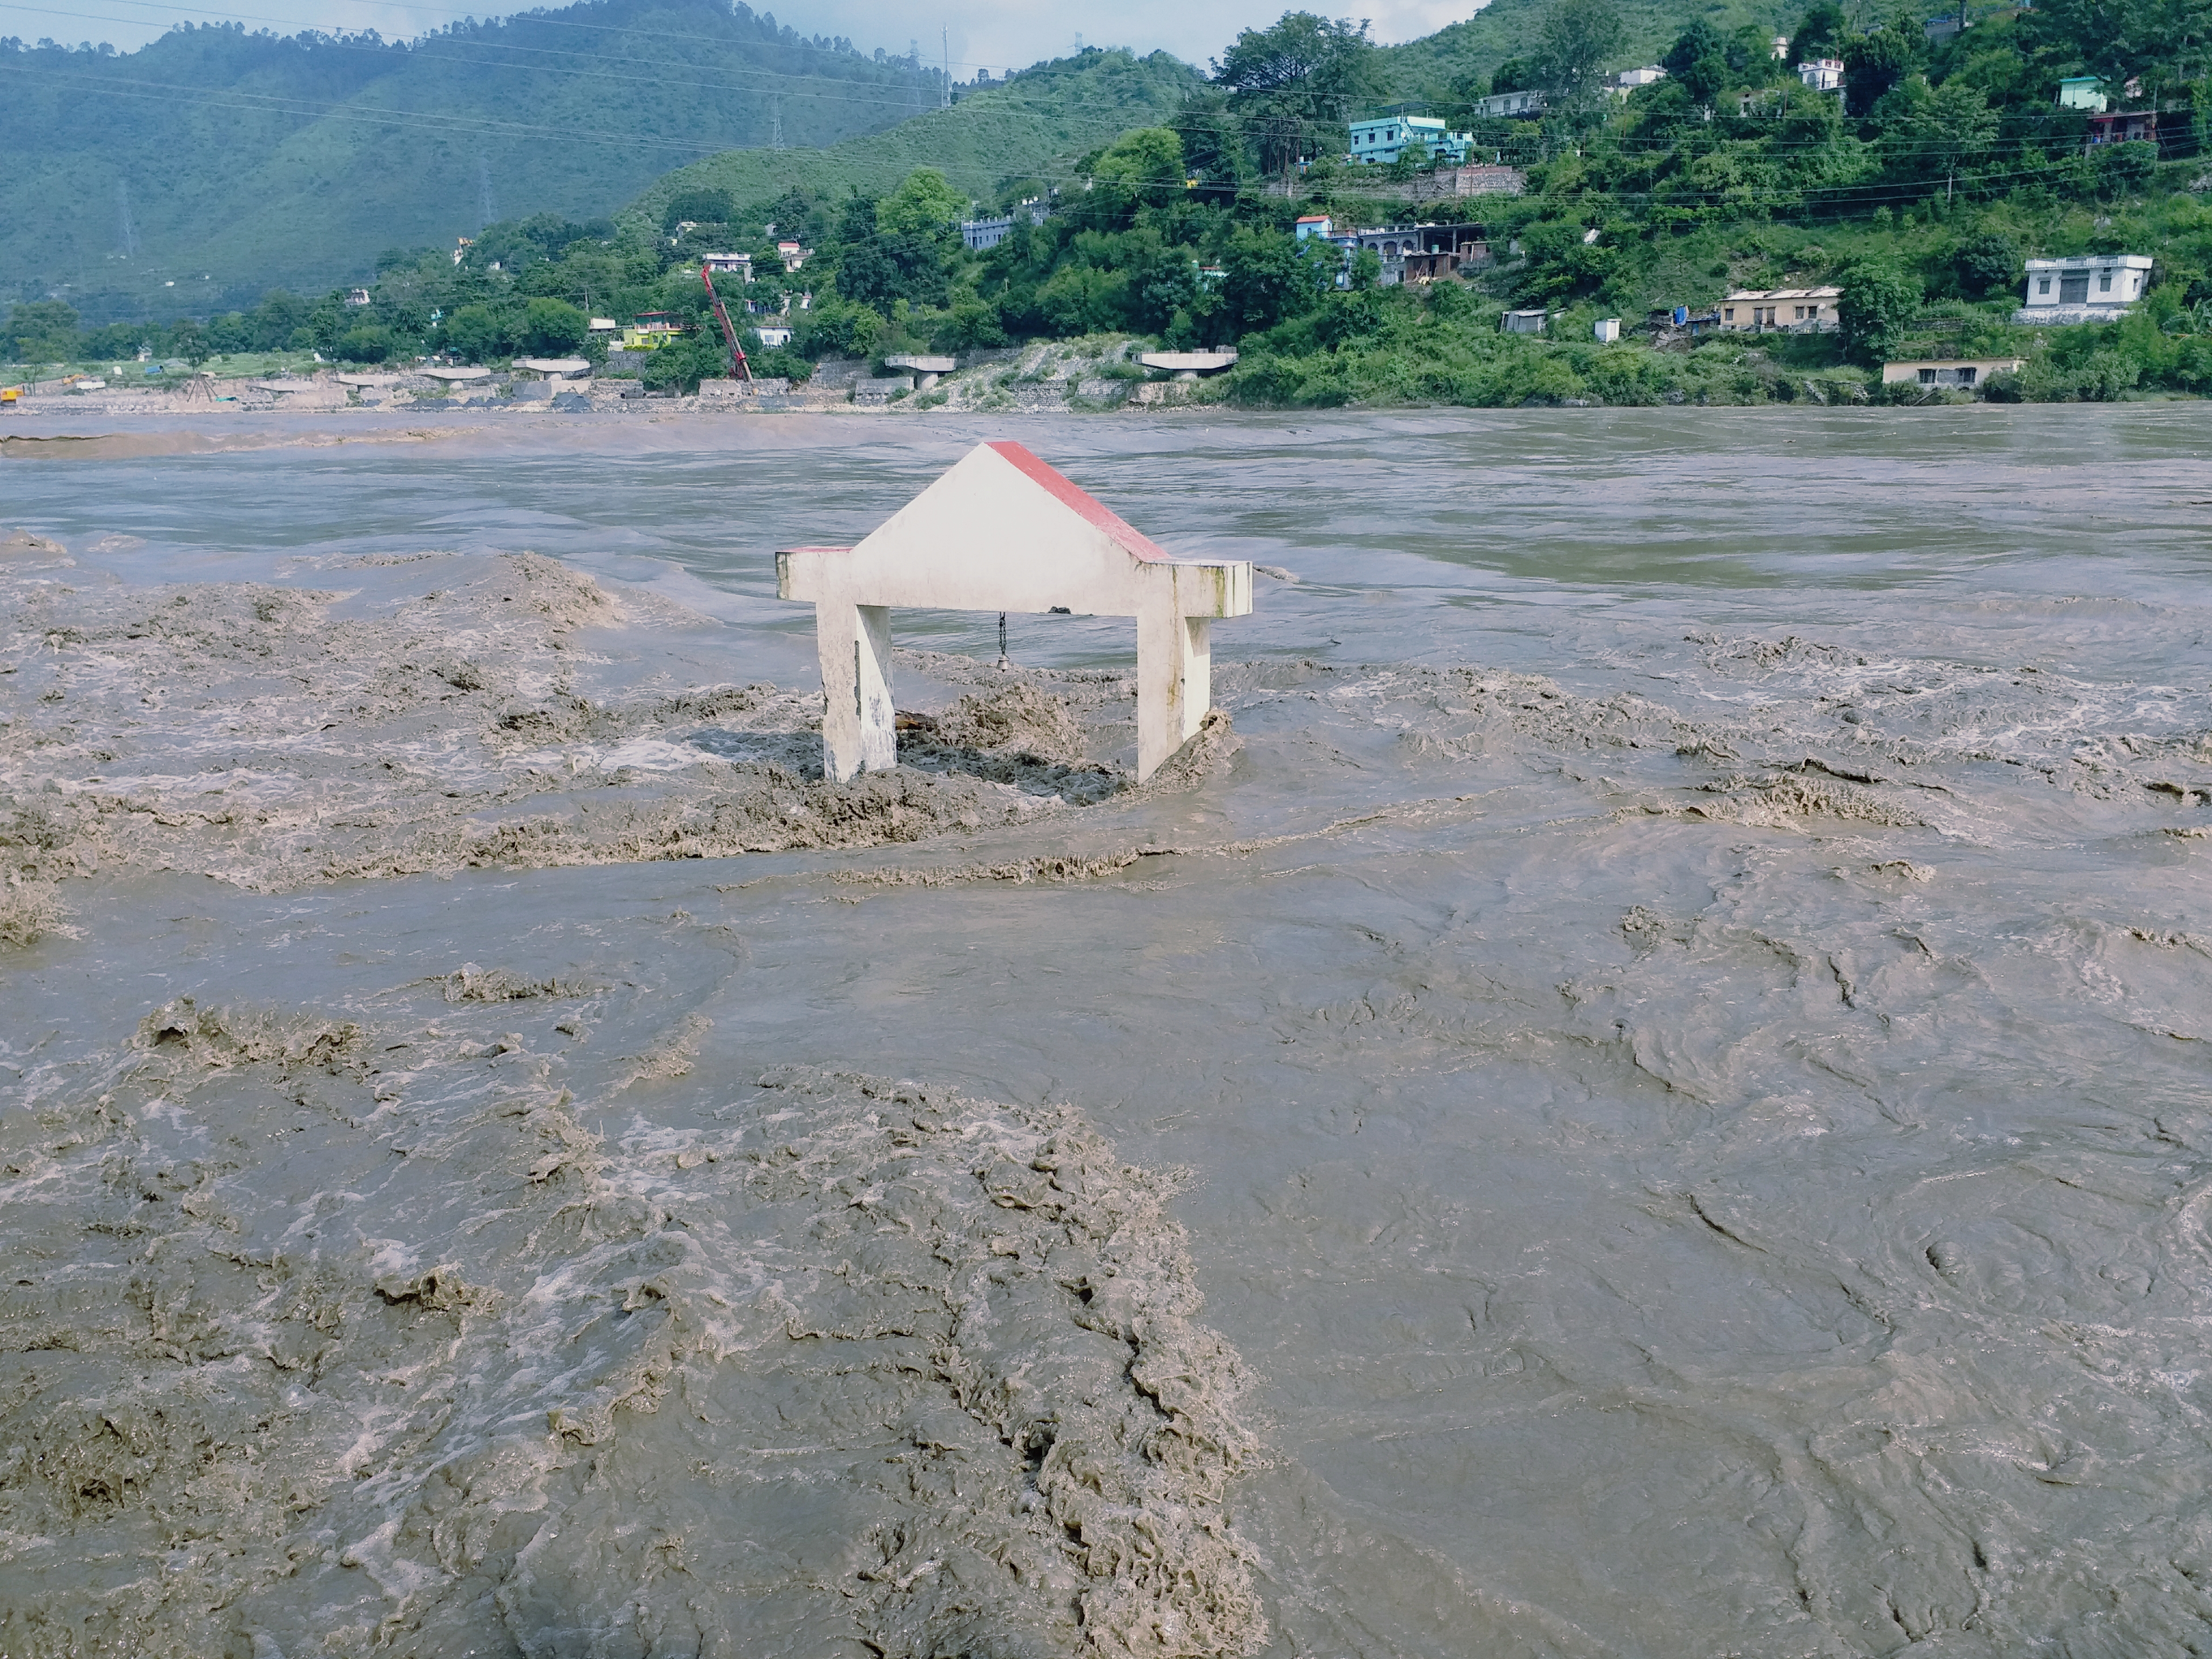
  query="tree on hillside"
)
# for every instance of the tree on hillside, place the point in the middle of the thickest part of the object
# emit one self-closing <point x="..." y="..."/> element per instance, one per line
<point x="1142" y="168"/>
<point x="900" y="248"/>
<point x="1574" y="41"/>
<point x="1872" y="64"/>
<point x="1986" y="264"/>
<point x="1697" y="62"/>
<point x="1212" y="148"/>
<point x="371" y="342"/>
<point x="1292" y="86"/>
<point x="793" y="214"/>
<point x="924" y="205"/>
<point x="552" y="328"/>
<point x="1878" y="304"/>
<point x="1941" y="132"/>
<point x="474" y="335"/>
<point x="189" y="340"/>
<point x="1513" y="74"/>
<point x="1268" y="277"/>
<point x="2160" y="41"/>
<point x="1700" y="39"/>
<point x="1820" y="32"/>
<point x="700" y="204"/>
<point x="39" y="331"/>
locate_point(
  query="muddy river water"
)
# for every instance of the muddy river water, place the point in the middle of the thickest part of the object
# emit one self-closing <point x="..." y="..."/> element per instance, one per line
<point x="1648" y="1094"/>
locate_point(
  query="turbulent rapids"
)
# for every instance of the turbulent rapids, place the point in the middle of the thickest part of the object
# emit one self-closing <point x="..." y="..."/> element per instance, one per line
<point x="1641" y="1087"/>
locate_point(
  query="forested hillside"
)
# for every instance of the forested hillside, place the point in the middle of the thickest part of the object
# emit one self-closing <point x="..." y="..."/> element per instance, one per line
<point x="212" y="165"/>
<point x="1444" y="67"/>
<point x="1035" y="123"/>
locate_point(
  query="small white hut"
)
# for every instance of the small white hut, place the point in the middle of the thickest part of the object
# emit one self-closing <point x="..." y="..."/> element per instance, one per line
<point x="1001" y="531"/>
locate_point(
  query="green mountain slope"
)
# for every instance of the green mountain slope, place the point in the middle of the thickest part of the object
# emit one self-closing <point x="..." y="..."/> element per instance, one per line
<point x="1434" y="66"/>
<point x="1034" y="123"/>
<point x="196" y="172"/>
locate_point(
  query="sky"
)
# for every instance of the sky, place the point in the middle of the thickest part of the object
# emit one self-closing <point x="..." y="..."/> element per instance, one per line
<point x="993" y="34"/>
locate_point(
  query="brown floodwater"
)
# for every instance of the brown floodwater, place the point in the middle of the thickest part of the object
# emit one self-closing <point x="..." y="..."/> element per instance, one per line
<point x="1649" y="1093"/>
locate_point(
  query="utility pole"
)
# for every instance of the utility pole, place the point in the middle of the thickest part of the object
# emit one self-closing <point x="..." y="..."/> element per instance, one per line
<point x="126" y="233"/>
<point x="775" y="122"/>
<point x="944" y="42"/>
<point x="483" y="194"/>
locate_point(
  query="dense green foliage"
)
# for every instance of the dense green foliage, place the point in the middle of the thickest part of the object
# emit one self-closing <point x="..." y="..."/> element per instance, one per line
<point x="1920" y="194"/>
<point x="226" y="163"/>
<point x="1496" y="49"/>
<point x="1729" y="173"/>
<point x="1033" y="125"/>
<point x="1289" y="89"/>
<point x="526" y="288"/>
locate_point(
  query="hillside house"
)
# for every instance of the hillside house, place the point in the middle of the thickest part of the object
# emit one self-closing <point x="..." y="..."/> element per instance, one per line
<point x="1511" y="105"/>
<point x="649" y="330"/>
<point x="1420" y="253"/>
<point x="1397" y="241"/>
<point x="1961" y="373"/>
<point x="1790" y="310"/>
<point x="2093" y="288"/>
<point x="2082" y="92"/>
<point x="793" y="255"/>
<point x="739" y="265"/>
<point x="1822" y="73"/>
<point x="2130" y="126"/>
<point x="1314" y="224"/>
<point x="981" y="235"/>
<point x="1629" y="80"/>
<point x="1385" y="138"/>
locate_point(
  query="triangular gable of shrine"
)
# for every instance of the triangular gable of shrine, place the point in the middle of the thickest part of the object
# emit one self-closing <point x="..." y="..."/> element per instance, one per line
<point x="1002" y="531"/>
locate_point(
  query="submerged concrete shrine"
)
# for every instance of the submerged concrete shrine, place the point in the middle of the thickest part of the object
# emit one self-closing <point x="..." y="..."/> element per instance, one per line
<point x="1001" y="531"/>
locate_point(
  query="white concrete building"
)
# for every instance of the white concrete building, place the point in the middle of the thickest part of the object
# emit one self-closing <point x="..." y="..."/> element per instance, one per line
<point x="2084" y="288"/>
<point x="1822" y="73"/>
<point x="1629" y="80"/>
<point x="1510" y="105"/>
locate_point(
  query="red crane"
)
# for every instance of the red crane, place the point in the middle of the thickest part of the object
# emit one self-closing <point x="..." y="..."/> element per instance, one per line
<point x="739" y="369"/>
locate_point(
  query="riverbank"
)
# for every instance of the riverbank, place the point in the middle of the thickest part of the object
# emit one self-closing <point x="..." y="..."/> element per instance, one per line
<point x="1427" y="363"/>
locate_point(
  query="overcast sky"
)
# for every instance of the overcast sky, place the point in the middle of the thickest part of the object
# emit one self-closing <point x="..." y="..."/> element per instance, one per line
<point x="993" y="34"/>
